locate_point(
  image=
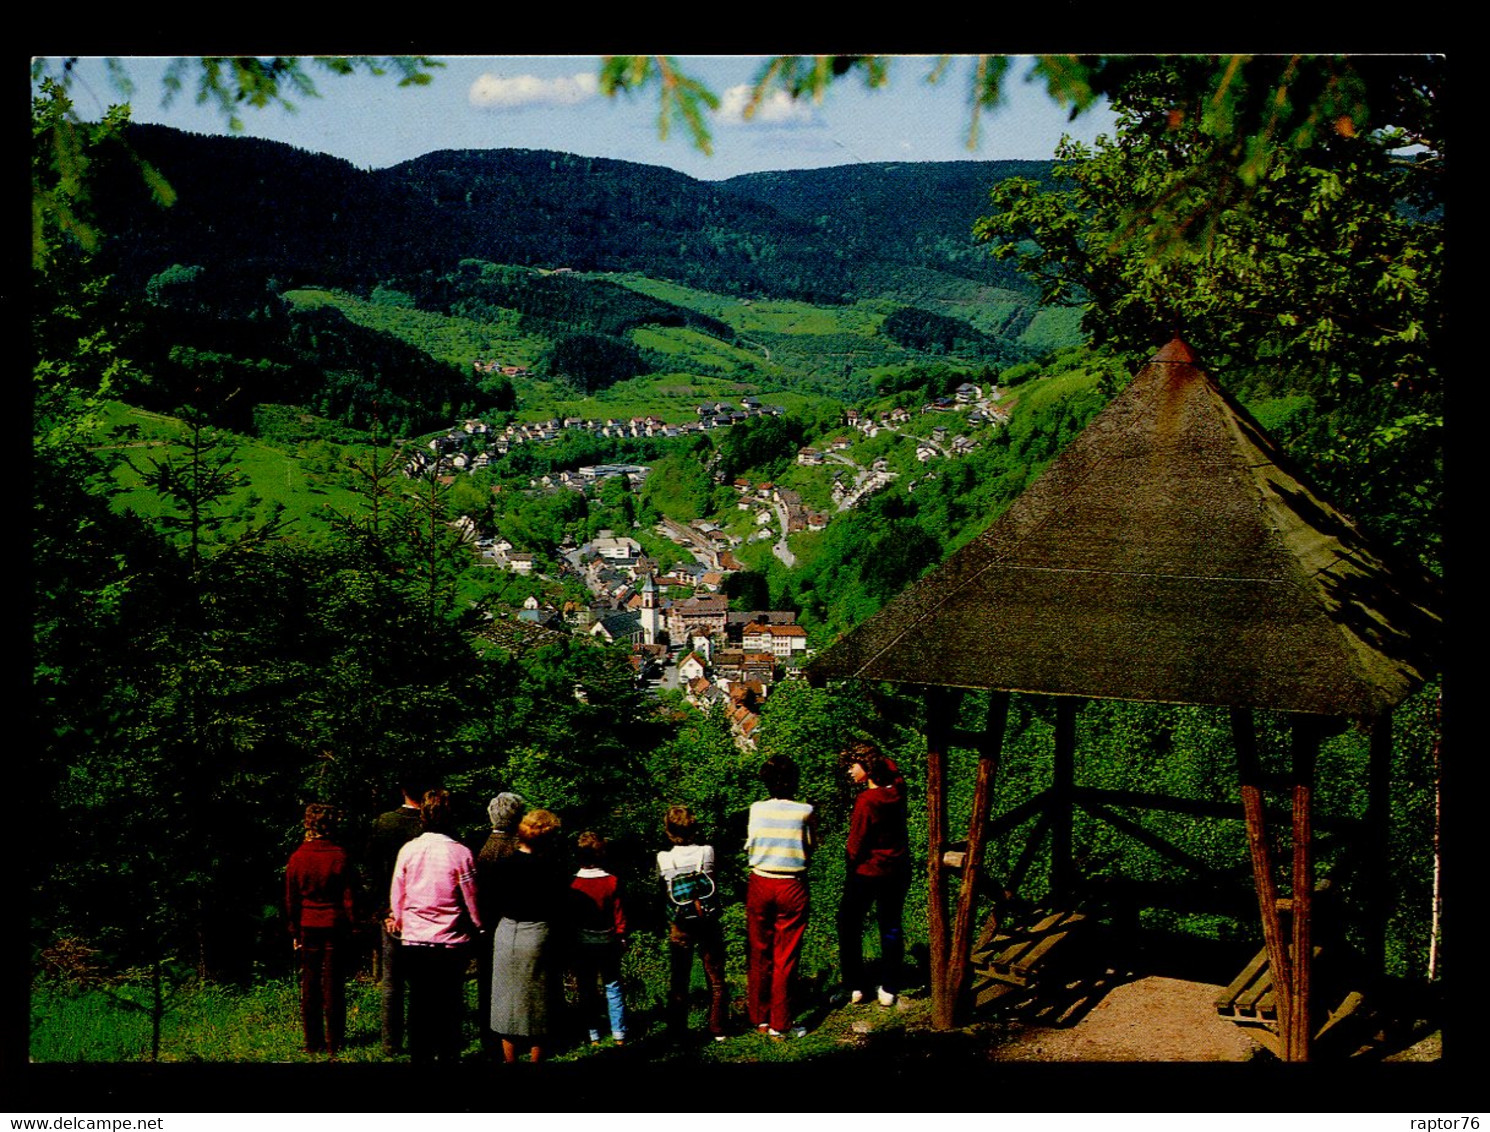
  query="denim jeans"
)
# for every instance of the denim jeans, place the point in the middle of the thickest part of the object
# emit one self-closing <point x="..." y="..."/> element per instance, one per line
<point x="600" y="964"/>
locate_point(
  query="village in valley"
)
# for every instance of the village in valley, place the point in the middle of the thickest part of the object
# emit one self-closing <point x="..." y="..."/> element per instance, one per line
<point x="677" y="623"/>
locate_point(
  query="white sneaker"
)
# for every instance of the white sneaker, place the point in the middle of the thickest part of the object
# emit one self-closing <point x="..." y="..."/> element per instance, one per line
<point x="887" y="998"/>
<point x="856" y="997"/>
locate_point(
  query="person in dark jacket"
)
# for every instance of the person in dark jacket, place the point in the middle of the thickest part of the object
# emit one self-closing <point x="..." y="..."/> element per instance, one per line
<point x="531" y="903"/>
<point x="878" y="873"/>
<point x="319" y="907"/>
<point x="389" y="833"/>
<point x="504" y="812"/>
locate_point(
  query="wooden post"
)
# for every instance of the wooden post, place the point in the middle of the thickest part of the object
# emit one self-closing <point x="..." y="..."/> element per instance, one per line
<point x="1250" y="773"/>
<point x="962" y="924"/>
<point x="941" y="716"/>
<point x="1376" y="850"/>
<point x="1306" y="739"/>
<point x="1063" y="798"/>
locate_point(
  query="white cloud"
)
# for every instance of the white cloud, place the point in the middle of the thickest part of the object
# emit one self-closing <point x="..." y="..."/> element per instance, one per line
<point x="501" y="92"/>
<point x="777" y="109"/>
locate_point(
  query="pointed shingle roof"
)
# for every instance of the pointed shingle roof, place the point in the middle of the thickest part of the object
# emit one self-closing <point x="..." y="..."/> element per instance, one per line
<point x="1171" y="553"/>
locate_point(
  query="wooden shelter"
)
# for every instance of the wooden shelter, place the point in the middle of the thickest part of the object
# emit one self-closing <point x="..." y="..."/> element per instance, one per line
<point x="1170" y="554"/>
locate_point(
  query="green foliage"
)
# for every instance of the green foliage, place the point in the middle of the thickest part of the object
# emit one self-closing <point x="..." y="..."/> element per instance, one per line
<point x="680" y="486"/>
<point x="1310" y="262"/>
<point x="762" y="446"/>
<point x="591" y="361"/>
<point x="209" y="1023"/>
<point x="174" y="287"/>
<point x="936" y="334"/>
<point x="683" y="99"/>
<point x="230" y="83"/>
<point x="926" y="383"/>
<point x="62" y="150"/>
<point x="553" y="302"/>
<point x="868" y="555"/>
<point x="390" y="297"/>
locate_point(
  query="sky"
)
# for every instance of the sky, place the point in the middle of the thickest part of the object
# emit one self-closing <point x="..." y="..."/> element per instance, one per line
<point x="553" y="102"/>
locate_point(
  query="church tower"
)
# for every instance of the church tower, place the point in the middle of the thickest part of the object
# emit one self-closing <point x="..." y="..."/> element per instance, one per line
<point x="651" y="611"/>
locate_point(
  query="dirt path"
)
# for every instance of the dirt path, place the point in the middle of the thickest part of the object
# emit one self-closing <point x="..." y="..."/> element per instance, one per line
<point x="1150" y="1019"/>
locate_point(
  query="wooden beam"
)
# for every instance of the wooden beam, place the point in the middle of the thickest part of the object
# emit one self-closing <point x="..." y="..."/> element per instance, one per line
<point x="941" y="713"/>
<point x="1062" y="791"/>
<point x="1016" y="816"/>
<point x="1227" y="811"/>
<point x="991" y="745"/>
<point x="1250" y="772"/>
<point x="1307" y="734"/>
<point x="1031" y="847"/>
<point x="1147" y="837"/>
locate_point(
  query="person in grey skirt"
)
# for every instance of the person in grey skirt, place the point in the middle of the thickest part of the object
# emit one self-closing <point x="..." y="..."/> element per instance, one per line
<point x="504" y="811"/>
<point x="530" y="893"/>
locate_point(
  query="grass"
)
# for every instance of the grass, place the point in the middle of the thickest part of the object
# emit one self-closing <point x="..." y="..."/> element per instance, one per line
<point x="449" y="339"/>
<point x="674" y="398"/>
<point x="208" y="1023"/>
<point x="696" y="348"/>
<point x="307" y="481"/>
<point x="778" y="316"/>
<point x="203" y="1022"/>
<point x="1043" y="391"/>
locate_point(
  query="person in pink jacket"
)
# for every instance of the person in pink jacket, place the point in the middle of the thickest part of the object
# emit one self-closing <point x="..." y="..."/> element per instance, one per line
<point x="433" y="910"/>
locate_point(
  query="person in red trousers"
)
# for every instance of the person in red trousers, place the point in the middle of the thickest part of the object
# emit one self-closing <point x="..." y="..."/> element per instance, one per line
<point x="779" y="843"/>
<point x="319" y="907"/>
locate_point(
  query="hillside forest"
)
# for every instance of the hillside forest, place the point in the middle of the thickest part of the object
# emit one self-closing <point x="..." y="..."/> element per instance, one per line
<point x="247" y="598"/>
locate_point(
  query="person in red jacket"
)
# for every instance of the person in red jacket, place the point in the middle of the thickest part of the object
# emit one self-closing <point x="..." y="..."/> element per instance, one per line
<point x="878" y="873"/>
<point x="600" y="920"/>
<point x="319" y="906"/>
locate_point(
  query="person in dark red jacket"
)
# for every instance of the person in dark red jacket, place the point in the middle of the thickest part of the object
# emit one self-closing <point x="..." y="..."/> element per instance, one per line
<point x="600" y="920"/>
<point x="319" y="906"/>
<point x="878" y="873"/>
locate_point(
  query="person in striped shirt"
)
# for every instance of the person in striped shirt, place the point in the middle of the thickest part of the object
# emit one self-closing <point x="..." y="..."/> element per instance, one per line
<point x="778" y="843"/>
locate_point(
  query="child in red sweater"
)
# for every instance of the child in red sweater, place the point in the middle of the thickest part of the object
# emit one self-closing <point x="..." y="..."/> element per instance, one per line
<point x="600" y="921"/>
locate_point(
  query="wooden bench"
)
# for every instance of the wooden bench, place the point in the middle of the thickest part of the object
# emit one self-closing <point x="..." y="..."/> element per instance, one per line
<point x="1249" y="1001"/>
<point x="1010" y="959"/>
<point x="1249" y="998"/>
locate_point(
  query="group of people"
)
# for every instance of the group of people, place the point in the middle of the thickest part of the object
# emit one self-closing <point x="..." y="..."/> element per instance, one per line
<point x="528" y="916"/>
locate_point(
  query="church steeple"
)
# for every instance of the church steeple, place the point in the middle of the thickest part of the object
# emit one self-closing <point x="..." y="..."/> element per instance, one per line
<point x="651" y="610"/>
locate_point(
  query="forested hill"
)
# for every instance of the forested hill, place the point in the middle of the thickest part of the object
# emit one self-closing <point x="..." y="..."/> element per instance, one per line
<point x="274" y="211"/>
<point x="544" y="208"/>
<point x="905" y="212"/>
